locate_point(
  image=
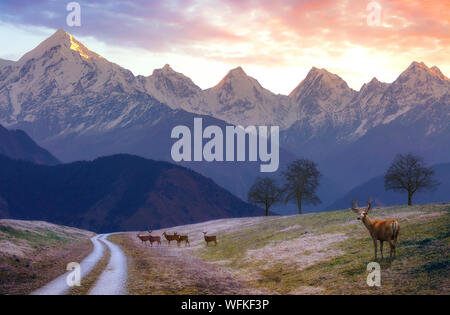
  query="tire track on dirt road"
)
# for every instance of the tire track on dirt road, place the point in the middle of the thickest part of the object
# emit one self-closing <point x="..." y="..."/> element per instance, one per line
<point x="113" y="279"/>
<point x="59" y="286"/>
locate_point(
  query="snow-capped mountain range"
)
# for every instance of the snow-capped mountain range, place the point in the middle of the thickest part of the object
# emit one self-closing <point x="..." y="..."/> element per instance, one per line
<point x="61" y="67"/>
<point x="61" y="90"/>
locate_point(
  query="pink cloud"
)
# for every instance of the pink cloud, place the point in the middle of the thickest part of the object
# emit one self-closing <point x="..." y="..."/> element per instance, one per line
<point x="269" y="29"/>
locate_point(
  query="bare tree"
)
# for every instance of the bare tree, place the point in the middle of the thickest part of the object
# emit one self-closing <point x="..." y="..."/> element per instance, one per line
<point x="302" y="180"/>
<point x="409" y="173"/>
<point x="265" y="192"/>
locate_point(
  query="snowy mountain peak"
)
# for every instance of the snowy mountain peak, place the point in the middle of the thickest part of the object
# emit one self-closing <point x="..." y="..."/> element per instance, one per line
<point x="167" y="69"/>
<point x="373" y="85"/>
<point x="238" y="83"/>
<point x="168" y="78"/>
<point x="237" y="72"/>
<point x="240" y="99"/>
<point x="418" y="78"/>
<point x="420" y="69"/>
<point x="60" y="39"/>
<point x="172" y="88"/>
<point x="417" y="64"/>
<point x="321" y="81"/>
<point x="374" y="81"/>
<point x="438" y="73"/>
<point x="239" y="76"/>
<point x="326" y="77"/>
<point x="62" y="68"/>
<point x="81" y="49"/>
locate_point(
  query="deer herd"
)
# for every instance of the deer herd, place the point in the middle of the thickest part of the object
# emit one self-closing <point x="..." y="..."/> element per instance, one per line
<point x="380" y="230"/>
<point x="173" y="237"/>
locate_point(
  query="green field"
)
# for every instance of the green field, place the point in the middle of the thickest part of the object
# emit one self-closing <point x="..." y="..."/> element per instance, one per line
<point x="328" y="253"/>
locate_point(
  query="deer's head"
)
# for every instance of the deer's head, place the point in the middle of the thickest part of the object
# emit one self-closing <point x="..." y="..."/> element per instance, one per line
<point x="361" y="211"/>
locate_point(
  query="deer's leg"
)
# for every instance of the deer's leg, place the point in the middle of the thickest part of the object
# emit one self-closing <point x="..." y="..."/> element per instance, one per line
<point x="395" y="245"/>
<point x="375" y="244"/>
<point x="392" y="244"/>
<point x="381" y="249"/>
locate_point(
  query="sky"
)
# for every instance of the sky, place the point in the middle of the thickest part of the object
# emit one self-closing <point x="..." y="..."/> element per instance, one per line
<point x="275" y="41"/>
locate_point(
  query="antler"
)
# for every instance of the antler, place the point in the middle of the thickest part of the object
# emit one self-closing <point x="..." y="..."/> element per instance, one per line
<point x="355" y="207"/>
<point x="369" y="204"/>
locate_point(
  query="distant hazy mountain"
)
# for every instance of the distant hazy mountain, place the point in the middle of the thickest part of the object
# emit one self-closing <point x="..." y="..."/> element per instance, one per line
<point x="17" y="145"/>
<point x="151" y="139"/>
<point x="375" y="188"/>
<point x="115" y="193"/>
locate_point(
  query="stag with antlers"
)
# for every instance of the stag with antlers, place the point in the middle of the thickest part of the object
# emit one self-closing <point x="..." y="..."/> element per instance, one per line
<point x="380" y="230"/>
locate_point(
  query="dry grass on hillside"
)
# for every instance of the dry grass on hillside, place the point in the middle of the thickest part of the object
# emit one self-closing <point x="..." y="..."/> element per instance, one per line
<point x="32" y="253"/>
<point x="172" y="270"/>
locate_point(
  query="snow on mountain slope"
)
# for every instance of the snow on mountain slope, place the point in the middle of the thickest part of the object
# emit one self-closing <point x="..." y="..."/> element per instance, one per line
<point x="417" y="92"/>
<point x="175" y="89"/>
<point x="321" y="106"/>
<point x="417" y="86"/>
<point x="329" y="91"/>
<point x="240" y="99"/>
<point x="4" y="62"/>
<point x="64" y="87"/>
<point x="321" y="98"/>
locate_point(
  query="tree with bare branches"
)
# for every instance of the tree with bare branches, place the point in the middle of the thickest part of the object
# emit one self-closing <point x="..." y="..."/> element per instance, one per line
<point x="302" y="180"/>
<point x="266" y="192"/>
<point x="409" y="173"/>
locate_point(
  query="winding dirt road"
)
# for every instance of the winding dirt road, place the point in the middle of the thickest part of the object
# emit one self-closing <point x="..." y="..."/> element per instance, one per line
<point x="59" y="285"/>
<point x="113" y="279"/>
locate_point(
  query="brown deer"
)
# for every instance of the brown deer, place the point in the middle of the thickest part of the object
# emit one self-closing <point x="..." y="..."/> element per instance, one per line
<point x="209" y="239"/>
<point x="170" y="238"/>
<point x="153" y="239"/>
<point x="143" y="238"/>
<point x="183" y="238"/>
<point x="380" y="230"/>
